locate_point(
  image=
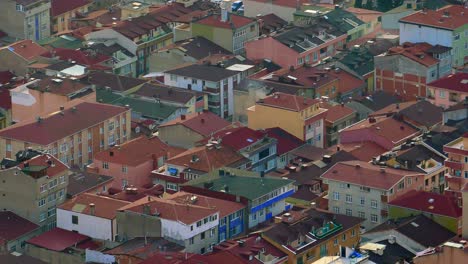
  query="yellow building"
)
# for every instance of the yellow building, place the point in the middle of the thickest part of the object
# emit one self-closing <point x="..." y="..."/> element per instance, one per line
<point x="63" y="11"/>
<point x="328" y="233"/>
<point x="73" y="133"/>
<point x="298" y="115"/>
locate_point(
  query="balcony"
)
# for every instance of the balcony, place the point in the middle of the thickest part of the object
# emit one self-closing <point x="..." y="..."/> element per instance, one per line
<point x="455" y="165"/>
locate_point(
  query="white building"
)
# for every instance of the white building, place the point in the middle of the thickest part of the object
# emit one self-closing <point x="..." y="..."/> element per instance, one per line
<point x="91" y="215"/>
<point x="218" y="82"/>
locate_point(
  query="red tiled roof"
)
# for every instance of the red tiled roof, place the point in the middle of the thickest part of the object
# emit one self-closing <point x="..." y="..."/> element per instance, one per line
<point x="336" y="112"/>
<point x="386" y="127"/>
<point x="203" y="123"/>
<point x="235" y="21"/>
<point x="167" y="209"/>
<point x="80" y="57"/>
<point x="6" y="76"/>
<point x="57" y="167"/>
<point x="347" y="81"/>
<point x="13" y="226"/>
<point x="137" y="151"/>
<point x="225" y="207"/>
<point x="56" y="126"/>
<point x="364" y="151"/>
<point x="285" y="141"/>
<point x="27" y="49"/>
<point x="208" y="159"/>
<point x="393" y="108"/>
<point x="288" y="101"/>
<point x="454" y="82"/>
<point x="365" y="15"/>
<point x="416" y="52"/>
<point x="58" y="239"/>
<point x="59" y="7"/>
<point x="436" y="18"/>
<point x="239" y="137"/>
<point x="429" y="202"/>
<point x="366" y="174"/>
<point x="134" y="195"/>
<point x="105" y="207"/>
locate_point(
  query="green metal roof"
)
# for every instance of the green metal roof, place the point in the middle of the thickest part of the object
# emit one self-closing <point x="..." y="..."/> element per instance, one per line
<point x="64" y="41"/>
<point x="343" y="19"/>
<point x="247" y="184"/>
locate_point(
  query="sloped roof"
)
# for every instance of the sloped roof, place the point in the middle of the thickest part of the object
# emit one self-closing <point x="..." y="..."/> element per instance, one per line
<point x="59" y="7"/>
<point x="234" y="21"/>
<point x="437" y="18"/>
<point x="105" y="207"/>
<point x="13" y="226"/>
<point x="58" y="239"/>
<point x="288" y="101"/>
<point x="203" y="123"/>
<point x="203" y="72"/>
<point x="286" y="142"/>
<point x="27" y="49"/>
<point x="454" y="82"/>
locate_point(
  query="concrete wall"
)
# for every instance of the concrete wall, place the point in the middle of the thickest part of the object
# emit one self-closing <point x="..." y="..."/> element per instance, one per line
<point x="92" y="226"/>
<point x="131" y="225"/>
<point x="62" y="21"/>
<point x="179" y="136"/>
<point x="254" y="8"/>
<point x="54" y="257"/>
<point x="390" y="20"/>
<point x="164" y="60"/>
<point x="12" y="62"/>
<point x="135" y="175"/>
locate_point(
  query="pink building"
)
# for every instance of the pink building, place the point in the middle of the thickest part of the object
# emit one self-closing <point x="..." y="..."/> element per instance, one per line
<point x="131" y="163"/>
<point x="449" y="90"/>
<point x="298" y="46"/>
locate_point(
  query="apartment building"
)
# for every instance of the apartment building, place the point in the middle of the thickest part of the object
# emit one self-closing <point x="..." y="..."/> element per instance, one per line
<point x="217" y="82"/>
<point x="457" y="162"/>
<point x="300" y="116"/>
<point x="34" y="184"/>
<point x="448" y="91"/>
<point x="62" y="12"/>
<point x="26" y="19"/>
<point x="186" y="223"/>
<point x="73" y="133"/>
<point x="361" y="189"/>
<point x="447" y="26"/>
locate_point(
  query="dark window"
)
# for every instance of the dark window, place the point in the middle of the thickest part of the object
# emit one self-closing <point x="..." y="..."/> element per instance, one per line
<point x="202" y="235"/>
<point x="263" y="154"/>
<point x="74" y="219"/>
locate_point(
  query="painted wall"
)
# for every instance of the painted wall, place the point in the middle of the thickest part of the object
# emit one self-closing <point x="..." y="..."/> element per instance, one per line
<point x="92" y="226"/>
<point x="179" y="136"/>
<point x="220" y="36"/>
<point x="444" y="97"/>
<point x="254" y="8"/>
<point x="135" y="175"/>
<point x="62" y="22"/>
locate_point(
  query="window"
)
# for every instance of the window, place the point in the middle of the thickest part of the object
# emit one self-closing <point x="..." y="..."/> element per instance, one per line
<point x="105" y="165"/>
<point x="343" y="237"/>
<point x="202" y="235"/>
<point x="442" y="94"/>
<point x="111" y="126"/>
<point x="349" y="212"/>
<point x="42" y="216"/>
<point x="171" y="186"/>
<point x="353" y="232"/>
<point x="373" y="203"/>
<point x="124" y="169"/>
<point x="89" y="136"/>
<point x="252" y="28"/>
<point x="111" y="140"/>
<point x="101" y="130"/>
<point x="410" y="180"/>
<point x="361" y="215"/>
<point x="41" y="202"/>
<point x="74" y="219"/>
<point x="336" y="196"/>
<point x="191" y="241"/>
<point x="349" y="198"/>
<point x="205" y="220"/>
<point x="300" y="61"/>
<point x="456" y="37"/>
<point x="191" y="228"/>
<point x="8" y="147"/>
<point x="90" y="149"/>
<point x="336" y="209"/>
<point x="62" y="179"/>
<point x="212" y="232"/>
<point x="362" y="201"/>
<point x="194" y="81"/>
<point x="19" y="8"/>
<point x="60" y="194"/>
<point x="52" y="197"/>
<point x="51" y="212"/>
<point x="374" y="218"/>
<point x="53" y="183"/>
<point x="335" y="242"/>
<point x="254" y="216"/>
<point x="401" y="185"/>
<point x="43" y="187"/>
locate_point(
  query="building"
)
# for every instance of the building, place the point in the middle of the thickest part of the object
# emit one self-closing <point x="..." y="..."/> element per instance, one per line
<point x="286" y="49"/>
<point x="118" y="84"/>
<point x="47" y="95"/>
<point x="361" y="189"/>
<point x="18" y="56"/>
<point x="451" y="253"/>
<point x="457" y="162"/>
<point x="131" y="163"/>
<point x="227" y="30"/>
<point x="186" y="130"/>
<point x="73" y="133"/>
<point x="46" y="180"/>
<point x="448" y="91"/>
<point x="88" y="57"/>
<point x="231" y="214"/>
<point x="15" y="230"/>
<point x="26" y="19"/>
<point x="197" y="161"/>
<point x="6" y="113"/>
<point x="217" y="82"/>
<point x="124" y="62"/>
<point x="83" y="182"/>
<point x="406" y="70"/>
<point x="308" y="236"/>
<point x="263" y="196"/>
<point x="62" y="12"/>
<point x="184" y="51"/>
<point x="339" y="116"/>
<point x="442" y="209"/>
<point x="300" y="116"/>
<point x="386" y="132"/>
<point x="445" y="26"/>
<point x="286" y="144"/>
<point x="186" y="223"/>
<point x="256" y="146"/>
<point x="464" y="212"/>
<point x="90" y="215"/>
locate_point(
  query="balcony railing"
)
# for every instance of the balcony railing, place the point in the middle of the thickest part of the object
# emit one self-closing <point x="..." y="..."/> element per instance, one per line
<point x="456" y="165"/>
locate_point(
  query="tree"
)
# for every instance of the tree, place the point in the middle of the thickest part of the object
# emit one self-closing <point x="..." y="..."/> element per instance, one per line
<point x="369" y="4"/>
<point x="358" y="4"/>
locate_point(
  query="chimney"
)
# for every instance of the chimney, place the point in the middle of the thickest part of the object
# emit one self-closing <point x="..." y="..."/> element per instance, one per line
<point x="182" y="117"/>
<point x="92" y="209"/>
